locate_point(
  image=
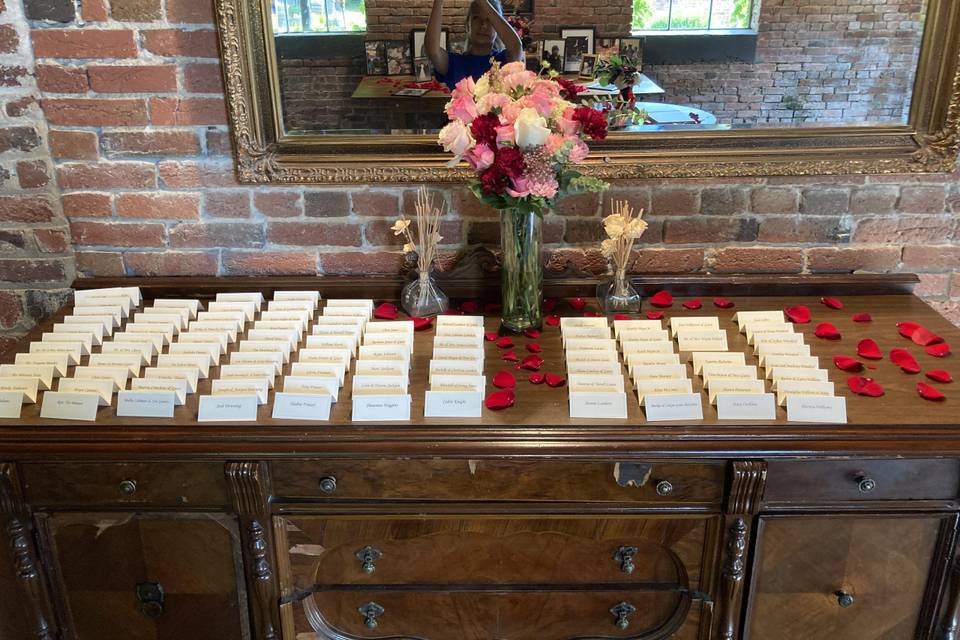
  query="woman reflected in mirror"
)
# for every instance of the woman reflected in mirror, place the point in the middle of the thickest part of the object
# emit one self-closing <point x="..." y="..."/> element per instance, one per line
<point x="489" y="37"/>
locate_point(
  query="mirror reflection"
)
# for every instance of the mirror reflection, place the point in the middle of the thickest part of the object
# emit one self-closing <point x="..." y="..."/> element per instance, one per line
<point x="383" y="66"/>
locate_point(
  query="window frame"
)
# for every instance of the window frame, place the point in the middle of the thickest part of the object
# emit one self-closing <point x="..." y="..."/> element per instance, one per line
<point x="751" y="30"/>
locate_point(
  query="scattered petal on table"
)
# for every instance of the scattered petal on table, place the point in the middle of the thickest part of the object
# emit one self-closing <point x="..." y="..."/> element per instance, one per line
<point x="553" y="320"/>
<point x="693" y="304"/>
<point x="422" y="324"/>
<point x="661" y="299"/>
<point x="500" y="399"/>
<point x="846" y="363"/>
<point x="827" y="331"/>
<point x="722" y="303"/>
<point x="553" y="380"/>
<point x="490" y="336"/>
<point x="537" y="378"/>
<point x="386" y="311"/>
<point x="798" y="315"/>
<point x="865" y="386"/>
<point x="620" y="316"/>
<point x="534" y="347"/>
<point x="929" y="393"/>
<point x="906" y="329"/>
<point x="532" y="363"/>
<point x="869" y="349"/>
<point x="939" y="375"/>
<point x="577" y="304"/>
<point x="833" y="303"/>
<point x="510" y="356"/>
<point x="504" y="380"/>
<point x="470" y="307"/>
<point x="939" y="350"/>
<point x="533" y="334"/>
<point x="654" y="315"/>
<point x="924" y="337"/>
<point x="903" y="359"/>
<point x="549" y="304"/>
<point x="505" y="342"/>
<point x="862" y="317"/>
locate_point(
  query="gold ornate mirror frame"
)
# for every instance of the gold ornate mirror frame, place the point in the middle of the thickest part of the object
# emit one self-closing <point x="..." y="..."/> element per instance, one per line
<point x="264" y="153"/>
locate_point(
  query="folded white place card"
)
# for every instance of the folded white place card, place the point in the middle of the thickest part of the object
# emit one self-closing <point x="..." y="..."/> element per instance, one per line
<point x="457" y="342"/>
<point x="104" y="321"/>
<point x="227" y="409"/>
<point x="333" y="342"/>
<point x="326" y="356"/>
<point x="26" y="387"/>
<point x="734" y="387"/>
<point x="189" y="375"/>
<point x="650" y="359"/>
<point x="698" y="323"/>
<point x="246" y="387"/>
<point x="309" y="407"/>
<point x="292" y="305"/>
<point x="589" y="333"/>
<point x="602" y="405"/>
<point x="381" y="407"/>
<point x="594" y="356"/>
<point x="662" y="388"/>
<point x="337" y="330"/>
<point x="283" y="325"/>
<point x="758" y="332"/>
<point x="776" y="339"/>
<point x="146" y="404"/>
<point x="318" y="370"/>
<point x="126" y="304"/>
<point x="443" y="382"/>
<point x="452" y="404"/>
<point x="301" y="317"/>
<point x="458" y="353"/>
<point x="266" y="346"/>
<point x="643" y="335"/>
<point x="103" y="388"/>
<point x="474" y="331"/>
<point x="144" y="350"/>
<point x="453" y="367"/>
<point x="177" y="387"/>
<point x="570" y="323"/>
<point x="221" y="338"/>
<point x="680" y="406"/>
<point x="115" y="313"/>
<point x="348" y="312"/>
<point x="70" y="406"/>
<point x="381" y="368"/>
<point x="132" y="361"/>
<point x="389" y="326"/>
<point x="394" y="339"/>
<point x="274" y="358"/>
<point x="59" y="361"/>
<point x="711" y="372"/>
<point x="746" y="406"/>
<point x="663" y="372"/>
<point x="787" y="389"/>
<point x="380" y="385"/>
<point x="831" y="409"/>
<point x="396" y="352"/>
<point x="210" y="350"/>
<point x="176" y="303"/>
<point x="169" y="328"/>
<point x="211" y="327"/>
<point x="619" y="326"/>
<point x="798" y="374"/>
<point x="701" y="358"/>
<point x="131" y="294"/>
<point x="312" y="296"/>
<point x="11" y="404"/>
<point x="660" y="346"/>
<point x="291" y="336"/>
<point x="745" y="317"/>
<point x="591" y="344"/>
<point x="247" y="307"/>
<point x="608" y="368"/>
<point x="85" y="340"/>
<point x="44" y="373"/>
<point x="72" y="350"/>
<point x="340" y="321"/>
<point x="585" y="383"/>
<point x="234" y="321"/>
<point x="303" y="384"/>
<point x="156" y="339"/>
<point x="792" y="350"/>
<point x="252" y="296"/>
<point x="181" y="317"/>
<point x="94" y="329"/>
<point x="458" y="321"/>
<point x="248" y="371"/>
<point x="797" y="362"/>
<point x="165" y="332"/>
<point x="117" y="375"/>
<point x="350" y="302"/>
<point x="690" y="341"/>
<point x="202" y="363"/>
<point x="759" y="326"/>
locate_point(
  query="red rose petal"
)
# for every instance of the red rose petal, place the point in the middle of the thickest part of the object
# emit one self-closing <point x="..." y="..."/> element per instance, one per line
<point x="386" y="311"/>
<point x="939" y="375"/>
<point x="549" y="304"/>
<point x="470" y="306"/>
<point x="591" y="314"/>
<point x="510" y="356"/>
<point x="924" y="337"/>
<point x="492" y="307"/>
<point x="620" y="316"/>
<point x="827" y="331"/>
<point x="553" y="380"/>
<point x="537" y="378"/>
<point x="865" y="386"/>
<point x="929" y="393"/>
<point x="833" y="303"/>
<point x="869" y="349"/>
<point x="661" y="299"/>
<point x="533" y="334"/>
<point x="504" y="380"/>
<point x="693" y="304"/>
<point x="490" y="336"/>
<point x="903" y="359"/>
<point x="422" y="324"/>
<point x="505" y="342"/>
<point x="722" y="303"/>
<point x="907" y="328"/>
<point x="654" y="315"/>
<point x="798" y="315"/>
<point x="577" y="304"/>
<point x="846" y="363"/>
<point x="534" y="347"/>
<point x="857" y="383"/>
<point x="938" y="350"/>
<point x="500" y="399"/>
<point x="862" y="317"/>
<point x="553" y="320"/>
<point x="532" y="363"/>
<point x="872" y="367"/>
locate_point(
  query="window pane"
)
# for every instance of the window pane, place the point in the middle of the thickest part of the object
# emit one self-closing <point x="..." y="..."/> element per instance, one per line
<point x="731" y="14"/>
<point x="336" y="15"/>
<point x="651" y="14"/>
<point x="356" y="15"/>
<point x="690" y="14"/>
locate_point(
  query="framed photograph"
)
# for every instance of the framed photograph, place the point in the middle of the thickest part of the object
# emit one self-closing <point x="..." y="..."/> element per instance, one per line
<point x="413" y="93"/>
<point x="553" y="52"/>
<point x="533" y="64"/>
<point x="376" y="57"/>
<point x="422" y="69"/>
<point x="587" y="65"/>
<point x="607" y="47"/>
<point x="576" y="48"/>
<point x="534" y="49"/>
<point x="417" y="38"/>
<point x="632" y="48"/>
<point x="579" y="32"/>
<point x="398" y="58"/>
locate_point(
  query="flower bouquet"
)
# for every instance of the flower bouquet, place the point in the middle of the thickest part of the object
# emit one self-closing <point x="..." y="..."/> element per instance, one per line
<point x="623" y="73"/>
<point x="523" y="139"/>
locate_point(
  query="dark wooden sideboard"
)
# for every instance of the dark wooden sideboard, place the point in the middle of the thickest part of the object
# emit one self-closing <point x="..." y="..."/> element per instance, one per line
<point x="522" y="525"/>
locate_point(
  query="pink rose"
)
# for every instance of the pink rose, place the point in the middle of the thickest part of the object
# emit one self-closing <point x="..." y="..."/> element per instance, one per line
<point x="513" y="67"/>
<point x="568" y="125"/>
<point x="580" y="151"/>
<point x="506" y="135"/>
<point x="480" y="157"/>
<point x="553" y="143"/>
<point x="492" y="101"/>
<point x="528" y="186"/>
<point x="455" y="138"/>
<point x="522" y="79"/>
<point x="510" y="112"/>
<point x="462" y="107"/>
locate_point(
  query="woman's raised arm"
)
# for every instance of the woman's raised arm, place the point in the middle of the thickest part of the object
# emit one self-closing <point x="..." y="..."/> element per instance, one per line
<point x="509" y="37"/>
<point x="436" y="53"/>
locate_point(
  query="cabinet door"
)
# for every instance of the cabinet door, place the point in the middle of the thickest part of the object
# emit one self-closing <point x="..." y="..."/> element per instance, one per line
<point x="13" y="620"/>
<point x="111" y="570"/>
<point x="841" y="577"/>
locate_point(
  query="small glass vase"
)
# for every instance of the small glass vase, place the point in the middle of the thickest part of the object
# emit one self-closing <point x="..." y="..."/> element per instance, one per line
<point x="422" y="298"/>
<point x="521" y="238"/>
<point x="618" y="295"/>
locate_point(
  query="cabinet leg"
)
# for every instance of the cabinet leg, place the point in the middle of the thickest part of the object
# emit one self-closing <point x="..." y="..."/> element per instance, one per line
<point x="950" y="627"/>
<point x="732" y="582"/>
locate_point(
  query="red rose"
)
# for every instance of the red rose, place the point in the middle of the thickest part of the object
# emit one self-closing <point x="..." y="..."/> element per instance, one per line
<point x="510" y="162"/>
<point x="484" y="129"/>
<point x="569" y="90"/>
<point x="593" y="123"/>
<point x="493" y="180"/>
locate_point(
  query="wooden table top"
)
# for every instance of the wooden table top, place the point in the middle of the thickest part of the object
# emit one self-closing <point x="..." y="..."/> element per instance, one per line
<point x="383" y="87"/>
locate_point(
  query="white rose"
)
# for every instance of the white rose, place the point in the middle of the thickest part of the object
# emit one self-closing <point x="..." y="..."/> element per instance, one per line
<point x="455" y="138"/>
<point x="482" y="87"/>
<point x="531" y="128"/>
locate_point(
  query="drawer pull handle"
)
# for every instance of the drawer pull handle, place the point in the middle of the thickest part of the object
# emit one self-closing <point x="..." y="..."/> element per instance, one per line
<point x="150" y="596"/>
<point x="865" y="484"/>
<point x="844" y="599"/>
<point x="328" y="484"/>
<point x="367" y="556"/>
<point x="128" y="488"/>
<point x="624" y="556"/>
<point x="370" y="612"/>
<point x="622" y="613"/>
<point x="664" y="488"/>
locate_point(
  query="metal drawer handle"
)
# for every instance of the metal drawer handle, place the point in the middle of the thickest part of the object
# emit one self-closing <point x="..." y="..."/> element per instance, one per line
<point x="664" y="488"/>
<point x="150" y="596"/>
<point x="367" y="556"/>
<point x="624" y="555"/>
<point x="622" y="613"/>
<point x="128" y="488"/>
<point x="370" y="612"/>
<point x="328" y="484"/>
<point x="844" y="599"/>
<point x="865" y="483"/>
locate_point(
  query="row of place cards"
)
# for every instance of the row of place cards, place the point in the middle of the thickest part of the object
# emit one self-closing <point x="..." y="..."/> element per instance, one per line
<point x="595" y="383"/>
<point x="456" y="377"/>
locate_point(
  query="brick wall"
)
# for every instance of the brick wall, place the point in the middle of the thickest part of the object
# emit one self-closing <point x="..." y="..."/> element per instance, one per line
<point x="141" y="155"/>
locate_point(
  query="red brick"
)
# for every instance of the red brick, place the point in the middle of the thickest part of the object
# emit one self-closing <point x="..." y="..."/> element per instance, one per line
<point x="583" y="231"/>
<point x="187" y="111"/>
<point x="874" y="199"/>
<point x="813" y="229"/>
<point x="826" y="202"/>
<point x="649" y="260"/>
<point x="11" y="309"/>
<point x="87" y="205"/>
<point x="670" y="202"/>
<point x="226" y="204"/>
<point x="218" y="142"/>
<point x="73" y="145"/>
<point x="360" y="262"/>
<point x="172" y="263"/>
<point x="217" y="234"/>
<point x="94" y="10"/>
<point x="278" y="204"/>
<point x="12" y="75"/>
<point x="151" y="143"/>
<point x="178" y="174"/>
<point x="696" y="230"/>
<point x="133" y="79"/>
<point x="374" y="203"/>
<point x="922" y="199"/>
<point x="310" y="234"/>
<point x="756" y="260"/>
<point x="724" y="201"/>
<point x="84" y="43"/>
<point x="32" y="174"/>
<point x="582" y="204"/>
<point x="52" y="240"/>
<point x="9" y="40"/>
<point x="483" y="232"/>
<point x="24" y="208"/>
<point x="326" y="204"/>
<point x="552" y="229"/>
<point x="174" y="42"/>
<point x="270" y="263"/>
<point x="12" y="240"/>
<point x="203" y="78"/>
<point x="100" y="263"/>
<point x="904" y="230"/>
<point x="377" y="233"/>
<point x="20" y="107"/>
<point x="466" y="205"/>
<point x="93" y="112"/>
<point x="54" y="78"/>
<point x="135" y="10"/>
<point x="117" y="234"/>
<point x="932" y="285"/>
<point x="772" y="201"/>
<point x="32" y="270"/>
<point x="191" y="11"/>
<point x="853" y="259"/>
<point x="927" y="257"/>
<point x="585" y="261"/>
<point x="638" y="198"/>
<point x="158" y="206"/>
<point x="18" y="139"/>
<point x="107" y="175"/>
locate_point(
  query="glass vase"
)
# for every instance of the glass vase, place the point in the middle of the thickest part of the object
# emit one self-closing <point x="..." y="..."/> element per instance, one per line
<point x="522" y="270"/>
<point x="422" y="298"/>
<point x="618" y="295"/>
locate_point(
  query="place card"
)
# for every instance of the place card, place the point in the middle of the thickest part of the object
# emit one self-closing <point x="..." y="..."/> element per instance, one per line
<point x="701" y="358"/>
<point x="831" y="410"/>
<point x="42" y="372"/>
<point x="234" y="321"/>
<point x="392" y="408"/>
<point x="456" y="342"/>
<point x="168" y="328"/>
<point x="443" y="382"/>
<point x="181" y="317"/>
<point x="452" y="404"/>
<point x="318" y="370"/>
<point x="734" y="387"/>
<point x="115" y="313"/>
<point x="570" y="323"/>
<point x="661" y="346"/>
<point x="59" y="361"/>
<point x="209" y="349"/>
<point x="125" y="303"/>
<point x="206" y="337"/>
<point x="274" y="358"/>
<point x="573" y="333"/>
<point x="338" y="330"/>
<point x="190" y="375"/>
<point x="756" y="331"/>
<point x="666" y="372"/>
<point x="643" y="335"/>
<point x="591" y="344"/>
<point x="247" y="307"/>
<point x="786" y="389"/>
<point x="791" y="350"/>
<point x="117" y="375"/>
<point x="452" y="367"/>
<point x="284" y="325"/>
<point x="248" y="371"/>
<point x="266" y="346"/>
<point x="301" y="317"/>
<point x="350" y="312"/>
<point x="702" y="341"/>
<point x="292" y="305"/>
<point x="11" y="404"/>
<point x="303" y="384"/>
<point x="177" y="303"/>
<point x="380" y="385"/>
<point x="291" y="336"/>
<point x="227" y="409"/>
<point x="245" y="387"/>
<point x="587" y="383"/>
<point x="662" y="388"/>
<point x="670" y="407"/>
<point x="252" y="296"/>
<point x="743" y="318"/>
<point x="26" y="387"/>
<point x="146" y="404"/>
<point x="593" y="356"/>
<point x="594" y="405"/>
<point x="620" y="326"/>
<point x="70" y="406"/>
<point x="608" y="368"/>
<point x="158" y="340"/>
<point x="85" y="340"/>
<point x="697" y="323"/>
<point x="389" y="326"/>
<point x="798" y="374"/>
<point x="776" y="339"/>
<point x="460" y="353"/>
<point x="133" y="361"/>
<point x="102" y="388"/>
<point x="651" y="359"/>
<point x="796" y="362"/>
<point x="329" y="356"/>
<point x="296" y="296"/>
<point x="202" y="363"/>
<point x="72" y="350"/>
<point x="104" y="321"/>
<point x="339" y="321"/>
<point x="382" y="368"/>
<point x="385" y="352"/>
<point x="458" y="321"/>
<point x="146" y="350"/>
<point x="349" y="302"/>
<point x="178" y="387"/>
<point x="309" y="407"/>
<point x="228" y="329"/>
<point x="746" y="406"/>
<point x="711" y="372"/>
<point x="400" y="339"/>
<point x="461" y="331"/>
<point x="130" y="296"/>
<point x="94" y="329"/>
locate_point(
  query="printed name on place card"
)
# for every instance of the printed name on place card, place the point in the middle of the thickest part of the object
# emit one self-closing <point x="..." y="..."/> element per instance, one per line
<point x="746" y="406"/>
<point x="831" y="410"/>
<point x="70" y="406"/>
<point x="177" y="387"/>
<point x="701" y="358"/>
<point x="302" y="384"/>
<point x="11" y="404"/>
<point x="605" y="406"/>
<point x="26" y="387"/>
<point x="146" y="404"/>
<point x="385" y="408"/>
<point x="301" y="406"/>
<point x="103" y="388"/>
<point x="227" y="408"/>
<point x="661" y="388"/>
<point x="43" y="373"/>
<point x="245" y="387"/>
<point x="788" y="389"/>
<point x="685" y="406"/>
<point x="734" y="387"/>
<point x="452" y="404"/>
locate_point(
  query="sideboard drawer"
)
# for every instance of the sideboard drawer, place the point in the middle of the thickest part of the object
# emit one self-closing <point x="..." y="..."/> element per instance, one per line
<point x="162" y="484"/>
<point x="831" y="481"/>
<point x="699" y="484"/>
